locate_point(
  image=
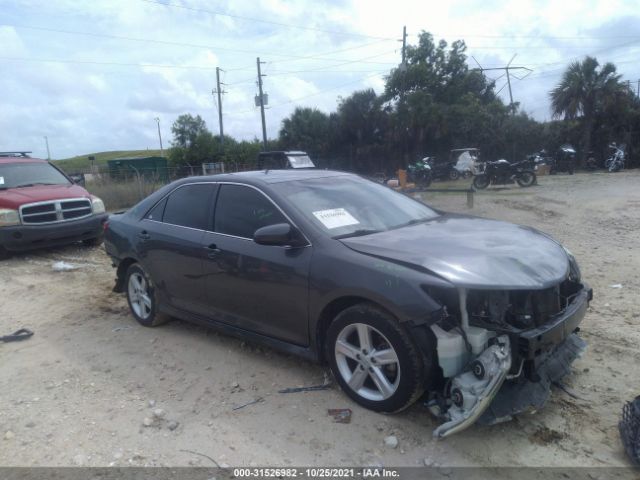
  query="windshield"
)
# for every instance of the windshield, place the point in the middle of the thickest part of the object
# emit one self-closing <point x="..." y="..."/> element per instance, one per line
<point x="15" y="175"/>
<point x="300" y="161"/>
<point x="351" y="206"/>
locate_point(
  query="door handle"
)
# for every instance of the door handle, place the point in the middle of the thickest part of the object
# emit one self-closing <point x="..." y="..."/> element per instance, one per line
<point x="213" y="250"/>
<point x="144" y="236"/>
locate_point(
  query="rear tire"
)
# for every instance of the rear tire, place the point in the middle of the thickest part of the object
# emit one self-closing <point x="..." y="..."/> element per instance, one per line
<point x="374" y="360"/>
<point x="481" y="182"/>
<point x="93" y="242"/>
<point x="141" y="297"/>
<point x="4" y="253"/>
<point x="454" y="174"/>
<point x="424" y="182"/>
<point x="526" y="178"/>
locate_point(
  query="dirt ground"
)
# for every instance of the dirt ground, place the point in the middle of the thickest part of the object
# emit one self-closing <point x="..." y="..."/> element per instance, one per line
<point x="80" y="391"/>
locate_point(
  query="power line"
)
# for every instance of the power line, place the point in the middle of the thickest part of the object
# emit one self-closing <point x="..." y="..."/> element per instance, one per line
<point x="507" y="71"/>
<point x="541" y="37"/>
<point x="290" y="56"/>
<point x="120" y="64"/>
<point x="260" y="20"/>
<point x="319" y="92"/>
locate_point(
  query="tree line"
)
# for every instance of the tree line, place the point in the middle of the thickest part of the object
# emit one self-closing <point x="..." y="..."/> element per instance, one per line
<point x="431" y="104"/>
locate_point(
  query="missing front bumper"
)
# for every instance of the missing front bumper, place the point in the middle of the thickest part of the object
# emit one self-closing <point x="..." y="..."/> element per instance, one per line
<point x="473" y="391"/>
<point x="521" y="395"/>
<point x="490" y="398"/>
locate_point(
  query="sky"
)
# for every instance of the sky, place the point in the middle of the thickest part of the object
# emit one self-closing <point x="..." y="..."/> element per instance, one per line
<point x="94" y="76"/>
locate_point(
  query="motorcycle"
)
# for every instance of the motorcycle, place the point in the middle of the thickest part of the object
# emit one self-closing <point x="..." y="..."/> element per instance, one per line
<point x="443" y="170"/>
<point x="564" y="160"/>
<point x="501" y="172"/>
<point x="615" y="162"/>
<point x="420" y="173"/>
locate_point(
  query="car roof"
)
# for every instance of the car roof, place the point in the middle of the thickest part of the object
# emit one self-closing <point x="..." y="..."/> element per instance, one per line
<point x="19" y="159"/>
<point x="274" y="176"/>
<point x="281" y="152"/>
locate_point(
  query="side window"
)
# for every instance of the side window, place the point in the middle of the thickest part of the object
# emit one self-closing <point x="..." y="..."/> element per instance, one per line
<point x="188" y="206"/>
<point x="157" y="211"/>
<point x="240" y="211"/>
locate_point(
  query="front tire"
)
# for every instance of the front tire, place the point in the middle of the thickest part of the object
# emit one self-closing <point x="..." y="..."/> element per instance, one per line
<point x="141" y="297"/>
<point x="481" y="182"/>
<point x="374" y="360"/>
<point x="424" y="182"/>
<point x="4" y="253"/>
<point x="526" y="178"/>
<point x="454" y="174"/>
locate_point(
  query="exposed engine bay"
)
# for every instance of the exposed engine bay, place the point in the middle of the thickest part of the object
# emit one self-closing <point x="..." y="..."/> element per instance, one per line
<point x="500" y="351"/>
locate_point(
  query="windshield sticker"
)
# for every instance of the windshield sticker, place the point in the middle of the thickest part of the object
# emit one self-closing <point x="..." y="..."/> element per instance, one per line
<point x="335" y="218"/>
<point x="1" y="180"/>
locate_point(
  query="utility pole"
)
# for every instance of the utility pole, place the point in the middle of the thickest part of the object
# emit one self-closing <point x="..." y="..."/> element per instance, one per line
<point x="46" y="140"/>
<point x="404" y="44"/>
<point x="157" y="119"/>
<point x="403" y="73"/>
<point x="220" y="92"/>
<point x="507" y="71"/>
<point x="264" y="125"/>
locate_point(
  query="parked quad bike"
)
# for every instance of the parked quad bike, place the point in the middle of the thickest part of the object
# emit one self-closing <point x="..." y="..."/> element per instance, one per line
<point x="420" y="173"/>
<point x="501" y="172"/>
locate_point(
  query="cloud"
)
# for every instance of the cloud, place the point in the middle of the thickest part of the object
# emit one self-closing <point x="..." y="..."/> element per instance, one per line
<point x="97" y="93"/>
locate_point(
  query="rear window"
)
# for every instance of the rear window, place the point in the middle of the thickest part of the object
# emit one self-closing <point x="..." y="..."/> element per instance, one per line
<point x="17" y="175"/>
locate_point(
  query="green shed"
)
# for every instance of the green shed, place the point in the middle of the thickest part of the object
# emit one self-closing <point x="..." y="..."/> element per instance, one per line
<point x="149" y="168"/>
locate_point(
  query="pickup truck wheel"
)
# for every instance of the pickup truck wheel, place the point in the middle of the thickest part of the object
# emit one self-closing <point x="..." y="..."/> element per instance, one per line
<point x="374" y="360"/>
<point x="4" y="253"/>
<point x="141" y="297"/>
<point x="93" y="242"/>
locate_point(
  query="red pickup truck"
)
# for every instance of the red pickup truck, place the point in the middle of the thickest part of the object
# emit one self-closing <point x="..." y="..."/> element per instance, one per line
<point x="40" y="206"/>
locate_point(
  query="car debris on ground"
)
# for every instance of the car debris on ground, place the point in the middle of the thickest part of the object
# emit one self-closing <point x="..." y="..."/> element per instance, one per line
<point x="340" y="415"/>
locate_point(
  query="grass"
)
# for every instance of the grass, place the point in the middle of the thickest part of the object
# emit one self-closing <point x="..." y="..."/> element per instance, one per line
<point x="121" y="195"/>
<point x="81" y="162"/>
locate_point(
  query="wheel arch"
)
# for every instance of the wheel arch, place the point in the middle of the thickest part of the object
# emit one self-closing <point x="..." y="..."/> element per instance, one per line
<point x="121" y="272"/>
<point x="333" y="308"/>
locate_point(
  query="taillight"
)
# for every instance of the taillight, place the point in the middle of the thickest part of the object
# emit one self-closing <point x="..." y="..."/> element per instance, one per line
<point x="105" y="226"/>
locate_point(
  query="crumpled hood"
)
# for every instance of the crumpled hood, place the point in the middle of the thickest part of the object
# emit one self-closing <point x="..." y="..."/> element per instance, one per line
<point x="472" y="252"/>
<point x="15" y="197"/>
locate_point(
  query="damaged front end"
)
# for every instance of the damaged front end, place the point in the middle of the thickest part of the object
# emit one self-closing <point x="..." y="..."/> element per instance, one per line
<point x="500" y="351"/>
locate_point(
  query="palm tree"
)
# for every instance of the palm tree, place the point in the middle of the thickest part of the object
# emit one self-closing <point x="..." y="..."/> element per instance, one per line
<point x="583" y="91"/>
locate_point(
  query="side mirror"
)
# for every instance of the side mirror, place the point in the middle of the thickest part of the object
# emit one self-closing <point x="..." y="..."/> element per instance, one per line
<point x="279" y="234"/>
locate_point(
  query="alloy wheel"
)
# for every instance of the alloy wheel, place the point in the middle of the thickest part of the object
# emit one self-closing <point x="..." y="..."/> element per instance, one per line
<point x="367" y="362"/>
<point x="139" y="295"/>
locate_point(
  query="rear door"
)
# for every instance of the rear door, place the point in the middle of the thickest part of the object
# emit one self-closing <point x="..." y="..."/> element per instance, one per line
<point x="170" y="245"/>
<point x="260" y="288"/>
